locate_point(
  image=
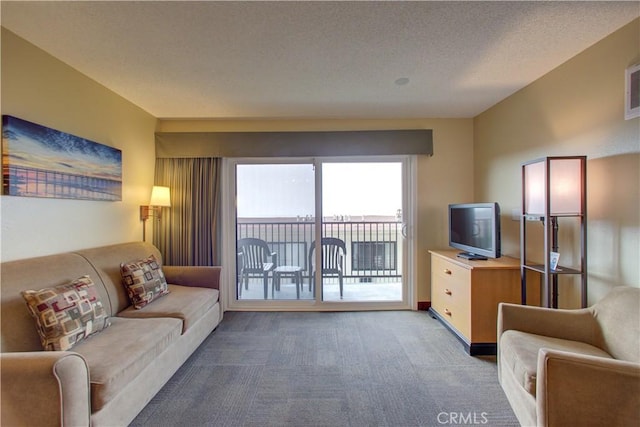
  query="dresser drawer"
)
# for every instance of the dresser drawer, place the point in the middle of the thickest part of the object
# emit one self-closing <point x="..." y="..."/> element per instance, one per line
<point x="450" y="294"/>
<point x="456" y="315"/>
<point x="449" y="272"/>
<point x="450" y="281"/>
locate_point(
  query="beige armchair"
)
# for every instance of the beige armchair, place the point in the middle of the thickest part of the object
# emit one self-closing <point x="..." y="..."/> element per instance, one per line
<point x="572" y="367"/>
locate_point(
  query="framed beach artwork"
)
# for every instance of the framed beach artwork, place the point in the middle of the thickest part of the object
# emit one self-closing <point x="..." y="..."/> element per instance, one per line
<point x="38" y="161"/>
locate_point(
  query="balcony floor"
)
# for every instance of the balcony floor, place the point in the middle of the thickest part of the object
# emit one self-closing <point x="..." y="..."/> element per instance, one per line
<point x="353" y="291"/>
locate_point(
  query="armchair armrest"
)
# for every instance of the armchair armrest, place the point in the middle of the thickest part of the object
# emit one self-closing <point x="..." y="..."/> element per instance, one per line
<point x="575" y="389"/>
<point x="197" y="276"/>
<point x="45" y="388"/>
<point x="575" y="325"/>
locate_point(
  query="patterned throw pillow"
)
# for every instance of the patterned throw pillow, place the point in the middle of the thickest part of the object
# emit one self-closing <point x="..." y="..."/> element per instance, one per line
<point x="67" y="314"/>
<point x="144" y="281"/>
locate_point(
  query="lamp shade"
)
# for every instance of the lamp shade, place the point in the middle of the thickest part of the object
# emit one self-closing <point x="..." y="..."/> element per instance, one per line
<point x="160" y="196"/>
<point x="563" y="178"/>
<point x="535" y="189"/>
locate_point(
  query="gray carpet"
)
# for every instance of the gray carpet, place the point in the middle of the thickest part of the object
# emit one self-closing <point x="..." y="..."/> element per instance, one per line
<point x="397" y="368"/>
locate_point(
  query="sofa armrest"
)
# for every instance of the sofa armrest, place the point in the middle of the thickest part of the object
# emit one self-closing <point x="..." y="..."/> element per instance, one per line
<point x="197" y="276"/>
<point x="575" y="389"/>
<point x="575" y="325"/>
<point x="45" y="388"/>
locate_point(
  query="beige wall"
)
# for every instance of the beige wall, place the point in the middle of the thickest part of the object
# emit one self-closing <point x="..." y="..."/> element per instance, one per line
<point x="577" y="109"/>
<point x="41" y="89"/>
<point x="442" y="179"/>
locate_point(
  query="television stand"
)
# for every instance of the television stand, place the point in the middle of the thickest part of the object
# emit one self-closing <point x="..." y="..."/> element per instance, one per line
<point x="465" y="296"/>
<point x="472" y="257"/>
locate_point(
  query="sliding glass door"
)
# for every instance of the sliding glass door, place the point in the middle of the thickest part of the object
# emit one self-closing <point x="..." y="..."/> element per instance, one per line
<point x="362" y="231"/>
<point x="318" y="233"/>
<point x="275" y="225"/>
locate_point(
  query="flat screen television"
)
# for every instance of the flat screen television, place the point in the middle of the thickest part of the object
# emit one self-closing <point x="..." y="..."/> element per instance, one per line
<point x="474" y="228"/>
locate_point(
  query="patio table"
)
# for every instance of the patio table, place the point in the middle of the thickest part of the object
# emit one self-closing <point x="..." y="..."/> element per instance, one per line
<point x="293" y="271"/>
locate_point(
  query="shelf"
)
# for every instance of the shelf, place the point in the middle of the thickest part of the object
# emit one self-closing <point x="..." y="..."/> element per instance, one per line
<point x="561" y="270"/>
<point x="540" y="217"/>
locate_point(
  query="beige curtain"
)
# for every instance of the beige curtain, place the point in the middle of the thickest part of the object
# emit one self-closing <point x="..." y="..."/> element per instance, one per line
<point x="188" y="233"/>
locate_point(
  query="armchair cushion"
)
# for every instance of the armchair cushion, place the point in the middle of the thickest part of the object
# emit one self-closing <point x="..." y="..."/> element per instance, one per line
<point x="521" y="354"/>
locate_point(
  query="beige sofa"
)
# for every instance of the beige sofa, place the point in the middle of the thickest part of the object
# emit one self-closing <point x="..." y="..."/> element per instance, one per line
<point x="108" y="378"/>
<point x="573" y="367"/>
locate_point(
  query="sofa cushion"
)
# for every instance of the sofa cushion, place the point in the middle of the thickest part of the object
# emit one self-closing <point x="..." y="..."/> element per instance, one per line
<point x="123" y="351"/>
<point x="66" y="314"/>
<point x="144" y="281"/>
<point x="106" y="260"/>
<point x="519" y="352"/>
<point x="185" y="303"/>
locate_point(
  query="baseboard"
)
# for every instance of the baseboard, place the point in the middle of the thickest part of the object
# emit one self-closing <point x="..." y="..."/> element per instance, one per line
<point x="473" y="349"/>
<point x="424" y="305"/>
<point x="482" y="349"/>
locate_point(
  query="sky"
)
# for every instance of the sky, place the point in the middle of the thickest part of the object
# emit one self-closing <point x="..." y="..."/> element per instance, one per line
<point x="349" y="189"/>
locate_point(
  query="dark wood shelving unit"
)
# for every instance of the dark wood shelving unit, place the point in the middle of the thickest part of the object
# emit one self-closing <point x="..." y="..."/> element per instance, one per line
<point x="548" y="206"/>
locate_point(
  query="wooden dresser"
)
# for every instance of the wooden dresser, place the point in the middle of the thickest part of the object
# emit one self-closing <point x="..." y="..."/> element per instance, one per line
<point x="465" y="296"/>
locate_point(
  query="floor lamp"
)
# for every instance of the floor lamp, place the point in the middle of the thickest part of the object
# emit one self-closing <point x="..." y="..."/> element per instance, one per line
<point x="160" y="197"/>
<point x="553" y="188"/>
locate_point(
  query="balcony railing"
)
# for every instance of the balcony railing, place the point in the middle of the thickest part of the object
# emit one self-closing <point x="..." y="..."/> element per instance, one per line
<point x="374" y="248"/>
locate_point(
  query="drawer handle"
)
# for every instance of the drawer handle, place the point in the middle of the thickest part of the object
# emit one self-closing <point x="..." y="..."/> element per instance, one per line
<point x="447" y="312"/>
<point x="447" y="271"/>
<point x="447" y="291"/>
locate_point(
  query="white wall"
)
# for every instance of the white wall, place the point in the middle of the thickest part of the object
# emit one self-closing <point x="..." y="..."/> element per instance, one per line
<point x="41" y="89"/>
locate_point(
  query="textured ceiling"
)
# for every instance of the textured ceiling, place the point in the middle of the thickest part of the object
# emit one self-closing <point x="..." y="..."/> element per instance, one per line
<point x="314" y="59"/>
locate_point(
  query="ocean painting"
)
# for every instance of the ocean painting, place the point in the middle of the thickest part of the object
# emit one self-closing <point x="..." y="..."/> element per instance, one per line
<point x="41" y="162"/>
